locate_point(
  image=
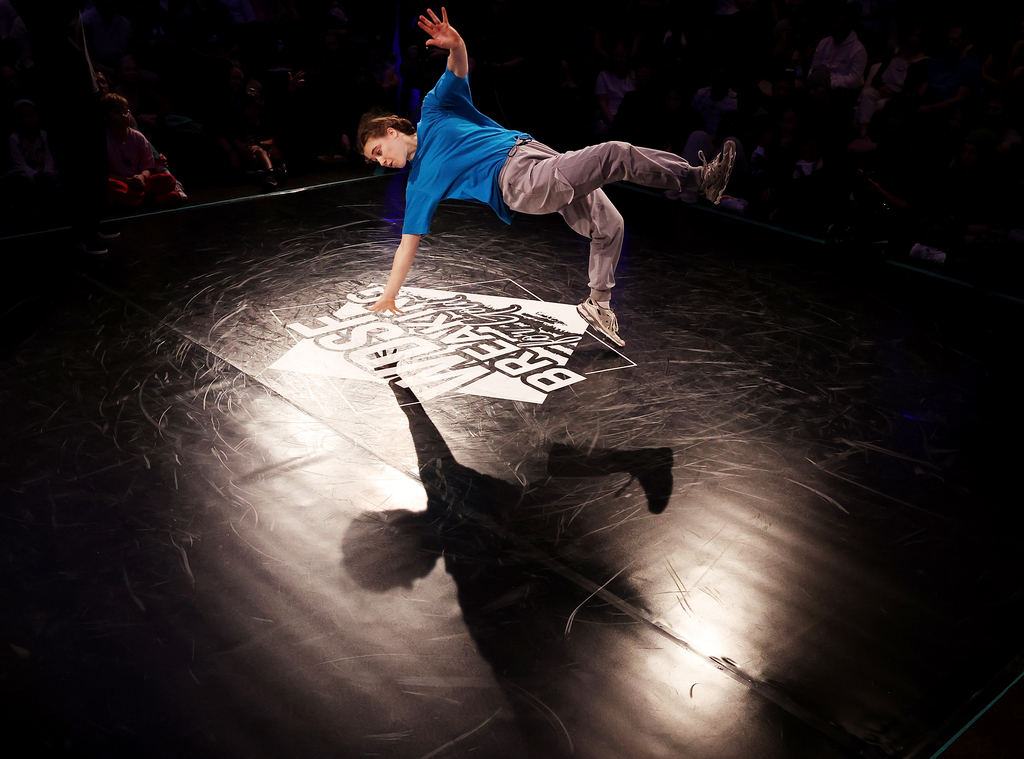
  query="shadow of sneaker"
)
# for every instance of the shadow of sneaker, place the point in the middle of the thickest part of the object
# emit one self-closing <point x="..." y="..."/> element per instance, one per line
<point x="652" y="467"/>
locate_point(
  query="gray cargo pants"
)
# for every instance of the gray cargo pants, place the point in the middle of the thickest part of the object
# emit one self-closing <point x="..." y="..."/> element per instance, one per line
<point x="537" y="180"/>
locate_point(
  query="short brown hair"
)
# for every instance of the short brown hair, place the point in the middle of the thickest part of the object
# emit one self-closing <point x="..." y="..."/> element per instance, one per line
<point x="376" y="124"/>
<point x="112" y="100"/>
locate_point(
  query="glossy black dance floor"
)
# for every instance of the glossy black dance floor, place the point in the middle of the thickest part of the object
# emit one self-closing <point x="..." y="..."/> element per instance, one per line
<point x="783" y="521"/>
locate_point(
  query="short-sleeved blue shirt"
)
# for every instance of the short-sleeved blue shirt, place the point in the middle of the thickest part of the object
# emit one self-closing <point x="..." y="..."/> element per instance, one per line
<point x="459" y="154"/>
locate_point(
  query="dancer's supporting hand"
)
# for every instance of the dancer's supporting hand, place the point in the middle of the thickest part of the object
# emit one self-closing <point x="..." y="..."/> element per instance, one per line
<point x="399" y="271"/>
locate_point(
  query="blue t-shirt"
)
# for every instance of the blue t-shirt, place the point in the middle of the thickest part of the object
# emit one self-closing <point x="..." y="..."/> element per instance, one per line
<point x="459" y="154"/>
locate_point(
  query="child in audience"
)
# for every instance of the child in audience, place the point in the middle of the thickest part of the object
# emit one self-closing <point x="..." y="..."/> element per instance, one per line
<point x="134" y="174"/>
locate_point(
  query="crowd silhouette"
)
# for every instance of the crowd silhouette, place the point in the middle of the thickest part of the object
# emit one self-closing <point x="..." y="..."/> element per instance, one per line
<point x="891" y="125"/>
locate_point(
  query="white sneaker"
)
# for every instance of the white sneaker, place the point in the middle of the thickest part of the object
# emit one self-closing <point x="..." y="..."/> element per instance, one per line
<point x="715" y="175"/>
<point x="92" y="245"/>
<point x="928" y="254"/>
<point x="601" y="319"/>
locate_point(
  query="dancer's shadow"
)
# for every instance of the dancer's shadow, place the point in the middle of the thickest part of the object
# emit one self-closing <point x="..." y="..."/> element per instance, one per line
<point x="516" y="604"/>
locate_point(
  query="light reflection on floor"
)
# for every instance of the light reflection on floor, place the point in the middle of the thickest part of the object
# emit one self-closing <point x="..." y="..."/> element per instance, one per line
<point x="194" y="533"/>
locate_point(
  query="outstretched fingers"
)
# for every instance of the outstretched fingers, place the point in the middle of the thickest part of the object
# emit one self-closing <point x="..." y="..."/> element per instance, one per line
<point x="428" y="24"/>
<point x="434" y="26"/>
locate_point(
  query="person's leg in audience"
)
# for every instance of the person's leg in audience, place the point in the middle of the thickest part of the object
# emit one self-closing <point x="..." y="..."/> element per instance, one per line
<point x="165" y="190"/>
<point x="121" y="194"/>
<point x="158" y="184"/>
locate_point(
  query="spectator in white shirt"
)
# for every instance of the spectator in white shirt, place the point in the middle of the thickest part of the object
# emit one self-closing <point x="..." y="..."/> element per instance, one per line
<point x="905" y="68"/>
<point x="843" y="55"/>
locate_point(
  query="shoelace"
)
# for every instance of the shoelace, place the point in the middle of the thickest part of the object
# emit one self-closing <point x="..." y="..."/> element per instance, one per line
<point x="714" y="169"/>
<point x="606" y="314"/>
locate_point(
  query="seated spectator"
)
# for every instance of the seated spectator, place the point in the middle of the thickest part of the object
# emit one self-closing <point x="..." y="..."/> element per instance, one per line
<point x="208" y="27"/>
<point x="961" y="218"/>
<point x="103" y="89"/>
<point x="783" y="169"/>
<point x="29" y="148"/>
<point x="384" y="64"/>
<point x="775" y="95"/>
<point x="1013" y="73"/>
<point x="102" y="84"/>
<point x="134" y="172"/>
<point x="887" y="186"/>
<point x="8" y="16"/>
<point x="254" y="148"/>
<point x="1008" y="139"/>
<point x="726" y="7"/>
<point x="14" y="34"/>
<point x="940" y="139"/>
<point x="747" y="44"/>
<point x="795" y="40"/>
<point x="343" y="88"/>
<point x="951" y="78"/>
<point x="156" y="41"/>
<point x="241" y="11"/>
<point x="31" y="161"/>
<point x="11" y="90"/>
<point x="714" y="101"/>
<point x="107" y="34"/>
<point x="224" y="107"/>
<point x="611" y="87"/>
<point x="276" y="12"/>
<point x="777" y="153"/>
<point x="147" y="106"/>
<point x="156" y="21"/>
<point x="903" y="70"/>
<point x="679" y="121"/>
<point x="842" y="54"/>
<point x="1003" y="58"/>
<point x="827" y="116"/>
<point x="874" y="24"/>
<point x="640" y="118"/>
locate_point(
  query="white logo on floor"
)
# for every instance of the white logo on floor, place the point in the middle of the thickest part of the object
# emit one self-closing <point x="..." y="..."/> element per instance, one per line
<point x="444" y="342"/>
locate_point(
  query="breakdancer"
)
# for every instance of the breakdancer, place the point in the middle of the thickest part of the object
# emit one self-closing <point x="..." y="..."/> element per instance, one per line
<point x="457" y="152"/>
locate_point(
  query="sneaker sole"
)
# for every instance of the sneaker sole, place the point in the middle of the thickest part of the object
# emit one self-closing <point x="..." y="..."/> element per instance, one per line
<point x="590" y="321"/>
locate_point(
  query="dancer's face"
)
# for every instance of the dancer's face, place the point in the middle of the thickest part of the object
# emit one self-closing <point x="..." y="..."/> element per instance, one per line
<point x="393" y="150"/>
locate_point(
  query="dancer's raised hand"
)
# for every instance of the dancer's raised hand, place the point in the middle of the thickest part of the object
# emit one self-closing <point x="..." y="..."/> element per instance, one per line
<point x="442" y="34"/>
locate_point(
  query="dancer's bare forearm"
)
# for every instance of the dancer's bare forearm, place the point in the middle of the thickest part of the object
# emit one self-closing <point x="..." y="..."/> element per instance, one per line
<point x="404" y="257"/>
